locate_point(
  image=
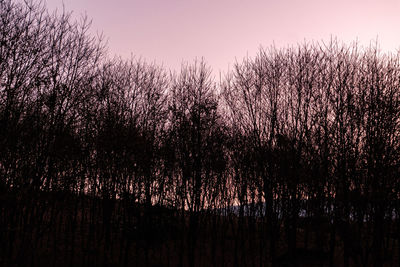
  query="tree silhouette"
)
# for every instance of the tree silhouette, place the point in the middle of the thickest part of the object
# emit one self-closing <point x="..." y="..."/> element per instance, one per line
<point x="291" y="159"/>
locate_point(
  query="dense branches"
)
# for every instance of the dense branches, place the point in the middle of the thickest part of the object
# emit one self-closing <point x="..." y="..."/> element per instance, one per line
<point x="114" y="149"/>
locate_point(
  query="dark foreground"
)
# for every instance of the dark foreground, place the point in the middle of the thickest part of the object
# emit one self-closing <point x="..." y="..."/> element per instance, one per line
<point x="65" y="230"/>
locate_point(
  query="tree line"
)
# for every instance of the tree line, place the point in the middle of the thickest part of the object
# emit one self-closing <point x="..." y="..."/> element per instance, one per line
<point x="294" y="150"/>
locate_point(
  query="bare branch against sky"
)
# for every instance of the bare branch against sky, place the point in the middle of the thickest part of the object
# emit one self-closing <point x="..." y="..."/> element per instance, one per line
<point x="220" y="31"/>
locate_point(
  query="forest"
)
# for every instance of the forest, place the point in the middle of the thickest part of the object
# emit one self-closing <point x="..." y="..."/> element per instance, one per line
<point x="292" y="158"/>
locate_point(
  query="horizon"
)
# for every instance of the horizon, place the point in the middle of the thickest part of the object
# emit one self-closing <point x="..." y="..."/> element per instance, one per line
<point x="224" y="32"/>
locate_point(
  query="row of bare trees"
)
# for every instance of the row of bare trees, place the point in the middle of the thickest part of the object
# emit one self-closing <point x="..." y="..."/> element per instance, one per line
<point x="123" y="159"/>
<point x="322" y="123"/>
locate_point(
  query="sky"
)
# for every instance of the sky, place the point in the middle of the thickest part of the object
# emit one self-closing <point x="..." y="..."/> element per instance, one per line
<point x="170" y="32"/>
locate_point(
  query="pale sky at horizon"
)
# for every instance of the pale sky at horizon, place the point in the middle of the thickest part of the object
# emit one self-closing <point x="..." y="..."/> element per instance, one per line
<point x="171" y="31"/>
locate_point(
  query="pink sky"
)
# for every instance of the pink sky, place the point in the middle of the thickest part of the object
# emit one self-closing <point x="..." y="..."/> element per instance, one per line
<point x="221" y="31"/>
